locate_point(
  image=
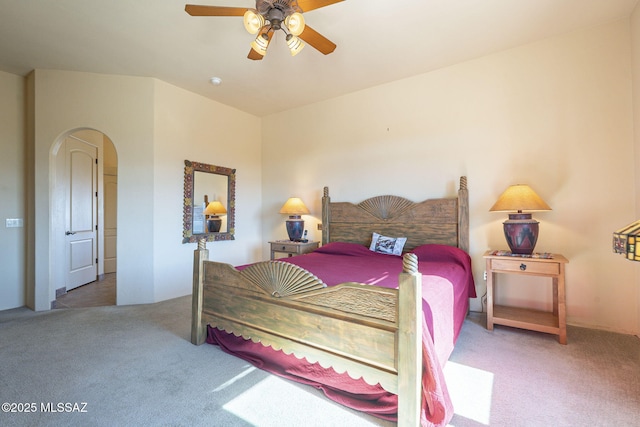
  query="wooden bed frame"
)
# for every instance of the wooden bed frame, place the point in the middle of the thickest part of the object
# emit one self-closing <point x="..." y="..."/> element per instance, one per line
<point x="351" y="327"/>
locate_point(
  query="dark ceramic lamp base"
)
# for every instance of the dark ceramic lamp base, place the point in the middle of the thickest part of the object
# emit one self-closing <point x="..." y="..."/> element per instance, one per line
<point x="295" y="227"/>
<point x="521" y="232"/>
<point x="213" y="225"/>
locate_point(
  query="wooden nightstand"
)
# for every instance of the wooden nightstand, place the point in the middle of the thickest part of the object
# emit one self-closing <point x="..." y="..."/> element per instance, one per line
<point x="549" y="322"/>
<point x="292" y="248"/>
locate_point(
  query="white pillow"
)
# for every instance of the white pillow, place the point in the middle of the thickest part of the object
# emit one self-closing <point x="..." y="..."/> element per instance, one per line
<point x="387" y="245"/>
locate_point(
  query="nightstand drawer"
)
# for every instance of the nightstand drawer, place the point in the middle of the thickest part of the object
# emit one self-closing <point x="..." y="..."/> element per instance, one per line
<point x="284" y="247"/>
<point x="521" y="266"/>
<point x="292" y="248"/>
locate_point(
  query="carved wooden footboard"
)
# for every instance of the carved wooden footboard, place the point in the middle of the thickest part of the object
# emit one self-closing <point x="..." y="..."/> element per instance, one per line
<point x="351" y="327"/>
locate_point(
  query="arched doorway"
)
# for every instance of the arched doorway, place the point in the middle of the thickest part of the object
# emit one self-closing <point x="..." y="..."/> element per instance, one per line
<point x="83" y="221"/>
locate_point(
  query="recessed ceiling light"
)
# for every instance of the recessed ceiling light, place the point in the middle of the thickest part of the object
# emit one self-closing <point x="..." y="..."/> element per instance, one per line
<point x="216" y="81"/>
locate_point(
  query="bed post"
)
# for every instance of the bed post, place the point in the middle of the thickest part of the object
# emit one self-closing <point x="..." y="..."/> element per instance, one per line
<point x="409" y="342"/>
<point x="463" y="215"/>
<point x="198" y="332"/>
<point x="326" y="215"/>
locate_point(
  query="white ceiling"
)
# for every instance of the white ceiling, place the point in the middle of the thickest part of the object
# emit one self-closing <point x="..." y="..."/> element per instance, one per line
<point x="378" y="42"/>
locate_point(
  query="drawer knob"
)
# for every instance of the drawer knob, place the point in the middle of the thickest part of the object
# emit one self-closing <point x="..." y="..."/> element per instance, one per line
<point x="283" y="248"/>
<point x="523" y="267"/>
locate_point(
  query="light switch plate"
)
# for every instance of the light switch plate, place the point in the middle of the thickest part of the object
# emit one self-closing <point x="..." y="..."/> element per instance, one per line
<point x="13" y="222"/>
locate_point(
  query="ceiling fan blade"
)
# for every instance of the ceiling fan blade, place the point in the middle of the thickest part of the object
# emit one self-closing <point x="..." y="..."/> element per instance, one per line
<point x="198" y="10"/>
<point x="254" y="55"/>
<point x="317" y="40"/>
<point x="307" y="5"/>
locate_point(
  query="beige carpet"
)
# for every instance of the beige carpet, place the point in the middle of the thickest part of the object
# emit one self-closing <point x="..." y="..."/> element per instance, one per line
<point x="512" y="377"/>
<point x="134" y="365"/>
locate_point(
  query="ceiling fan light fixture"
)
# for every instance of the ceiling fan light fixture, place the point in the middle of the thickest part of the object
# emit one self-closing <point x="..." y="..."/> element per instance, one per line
<point x="260" y="44"/>
<point x="295" y="23"/>
<point x="295" y="44"/>
<point x="253" y="21"/>
<point x="269" y="16"/>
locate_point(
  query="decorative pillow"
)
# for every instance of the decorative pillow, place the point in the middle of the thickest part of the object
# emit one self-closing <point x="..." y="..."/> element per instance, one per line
<point x="387" y="245"/>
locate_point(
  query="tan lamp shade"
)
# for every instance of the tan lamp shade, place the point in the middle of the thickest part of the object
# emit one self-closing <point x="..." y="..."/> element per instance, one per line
<point x="519" y="197"/>
<point x="294" y="206"/>
<point x="215" y="208"/>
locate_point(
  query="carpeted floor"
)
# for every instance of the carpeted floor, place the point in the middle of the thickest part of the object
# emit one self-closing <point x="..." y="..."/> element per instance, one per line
<point x="512" y="377"/>
<point x="134" y="365"/>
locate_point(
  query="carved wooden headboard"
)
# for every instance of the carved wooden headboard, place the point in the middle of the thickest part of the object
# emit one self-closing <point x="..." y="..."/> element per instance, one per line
<point x="442" y="221"/>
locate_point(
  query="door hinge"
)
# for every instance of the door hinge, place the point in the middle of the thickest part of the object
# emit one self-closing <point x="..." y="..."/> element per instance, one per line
<point x="96" y="227"/>
<point x="96" y="160"/>
<point x="96" y="194"/>
<point x="96" y="260"/>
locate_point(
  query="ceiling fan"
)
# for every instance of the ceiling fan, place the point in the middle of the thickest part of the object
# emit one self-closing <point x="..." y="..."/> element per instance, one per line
<point x="270" y="16"/>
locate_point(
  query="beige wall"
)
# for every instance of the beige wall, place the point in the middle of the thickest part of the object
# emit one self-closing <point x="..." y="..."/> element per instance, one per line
<point x="191" y="127"/>
<point x="12" y="190"/>
<point x="122" y="109"/>
<point x="554" y="114"/>
<point x="147" y="122"/>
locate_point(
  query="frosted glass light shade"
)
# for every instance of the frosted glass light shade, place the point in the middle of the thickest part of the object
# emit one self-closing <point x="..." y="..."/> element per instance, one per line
<point x="295" y="44"/>
<point x="295" y="23"/>
<point x="260" y="44"/>
<point x="253" y="21"/>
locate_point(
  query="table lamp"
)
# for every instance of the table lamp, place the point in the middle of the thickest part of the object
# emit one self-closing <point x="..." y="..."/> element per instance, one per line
<point x="294" y="207"/>
<point x="520" y="230"/>
<point x="626" y="241"/>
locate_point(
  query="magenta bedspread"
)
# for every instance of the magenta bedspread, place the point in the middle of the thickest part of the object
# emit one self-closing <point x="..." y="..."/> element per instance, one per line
<point x="447" y="281"/>
<point x="447" y="286"/>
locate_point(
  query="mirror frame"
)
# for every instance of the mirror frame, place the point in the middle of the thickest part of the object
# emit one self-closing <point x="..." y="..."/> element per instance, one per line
<point x="189" y="177"/>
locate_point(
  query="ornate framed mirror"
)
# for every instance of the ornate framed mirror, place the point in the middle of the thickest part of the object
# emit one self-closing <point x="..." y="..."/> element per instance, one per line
<point x="209" y="202"/>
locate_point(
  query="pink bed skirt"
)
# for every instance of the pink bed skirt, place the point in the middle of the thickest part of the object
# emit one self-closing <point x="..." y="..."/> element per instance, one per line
<point x="437" y="409"/>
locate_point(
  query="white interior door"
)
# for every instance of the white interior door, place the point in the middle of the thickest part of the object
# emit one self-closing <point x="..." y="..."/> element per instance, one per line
<point x="110" y="222"/>
<point x="81" y="213"/>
